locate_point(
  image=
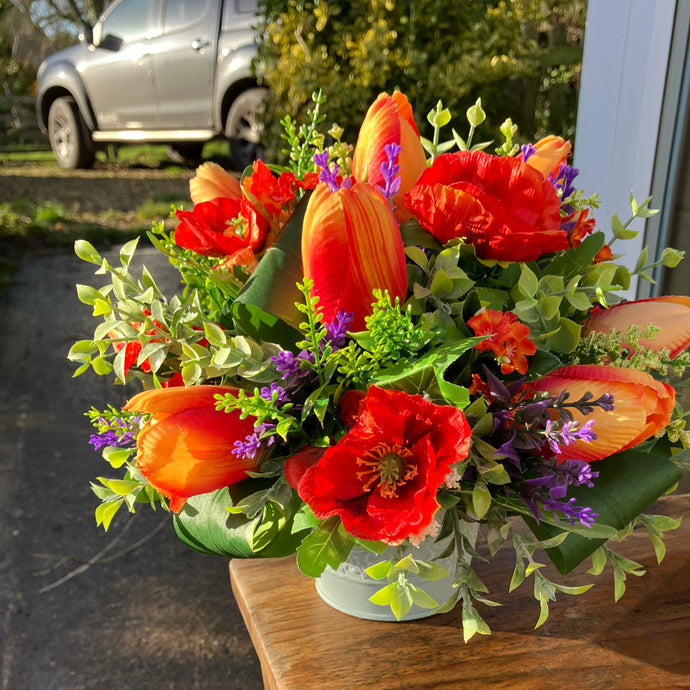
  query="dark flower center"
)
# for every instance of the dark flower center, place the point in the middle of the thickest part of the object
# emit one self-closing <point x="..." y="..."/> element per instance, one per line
<point x="387" y="466"/>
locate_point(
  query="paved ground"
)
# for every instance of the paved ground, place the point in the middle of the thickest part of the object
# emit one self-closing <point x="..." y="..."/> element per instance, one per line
<point x="81" y="609"/>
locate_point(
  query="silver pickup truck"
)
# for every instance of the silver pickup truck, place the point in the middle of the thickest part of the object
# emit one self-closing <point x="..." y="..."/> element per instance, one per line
<point x="173" y="72"/>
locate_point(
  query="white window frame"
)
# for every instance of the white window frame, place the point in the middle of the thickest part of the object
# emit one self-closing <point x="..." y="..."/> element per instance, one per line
<point x="624" y="69"/>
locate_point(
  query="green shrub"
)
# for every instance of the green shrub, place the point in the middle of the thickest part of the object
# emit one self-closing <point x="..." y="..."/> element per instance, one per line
<point x="521" y="57"/>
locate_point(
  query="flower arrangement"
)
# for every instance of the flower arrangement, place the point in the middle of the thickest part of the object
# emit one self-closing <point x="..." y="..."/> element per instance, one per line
<point x="383" y="344"/>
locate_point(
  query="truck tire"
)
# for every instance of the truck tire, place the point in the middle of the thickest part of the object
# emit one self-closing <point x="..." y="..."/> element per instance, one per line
<point x="185" y="154"/>
<point x="68" y="136"/>
<point x="244" y="127"/>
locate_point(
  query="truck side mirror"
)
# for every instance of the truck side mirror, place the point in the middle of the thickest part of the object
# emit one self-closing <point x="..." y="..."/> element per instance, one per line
<point x="111" y="42"/>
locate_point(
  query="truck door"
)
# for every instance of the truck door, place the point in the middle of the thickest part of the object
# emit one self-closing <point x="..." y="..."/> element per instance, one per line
<point x="184" y="63"/>
<point x="118" y="75"/>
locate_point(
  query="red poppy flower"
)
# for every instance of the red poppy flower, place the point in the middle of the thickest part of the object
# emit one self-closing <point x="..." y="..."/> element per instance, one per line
<point x="221" y="227"/>
<point x="507" y="338"/>
<point x="505" y="208"/>
<point x="382" y="476"/>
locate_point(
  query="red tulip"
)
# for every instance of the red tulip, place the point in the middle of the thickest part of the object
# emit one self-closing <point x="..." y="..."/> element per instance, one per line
<point x="185" y="449"/>
<point x="671" y="314"/>
<point x="501" y="205"/>
<point x="550" y="153"/>
<point x="211" y="182"/>
<point x="642" y="407"/>
<point x="389" y="120"/>
<point x="351" y="245"/>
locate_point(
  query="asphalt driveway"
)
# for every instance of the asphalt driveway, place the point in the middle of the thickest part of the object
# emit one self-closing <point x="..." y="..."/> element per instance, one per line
<point x="79" y="608"/>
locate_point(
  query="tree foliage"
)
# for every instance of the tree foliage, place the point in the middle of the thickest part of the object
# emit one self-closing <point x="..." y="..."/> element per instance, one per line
<point x="522" y="57"/>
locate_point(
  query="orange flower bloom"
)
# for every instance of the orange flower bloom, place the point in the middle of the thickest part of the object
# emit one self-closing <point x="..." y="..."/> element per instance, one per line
<point x="389" y="120"/>
<point x="351" y="245"/>
<point x="508" y="339"/>
<point x="670" y="313"/>
<point x="185" y="449"/>
<point x="550" y="154"/>
<point x="211" y="182"/>
<point x="642" y="407"/>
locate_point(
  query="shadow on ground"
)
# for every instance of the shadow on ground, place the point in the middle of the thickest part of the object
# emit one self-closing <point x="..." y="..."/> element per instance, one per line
<point x="81" y="609"/>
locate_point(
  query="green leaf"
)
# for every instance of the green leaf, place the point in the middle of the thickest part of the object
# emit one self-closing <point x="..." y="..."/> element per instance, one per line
<point x="627" y="485"/>
<point x="87" y="294"/>
<point x="383" y="596"/>
<point x="401" y="602"/>
<point x="421" y="598"/>
<point x="379" y="571"/>
<point x="127" y="252"/>
<point x="328" y="544"/>
<point x="205" y="525"/>
<point x="87" y="252"/>
<point x="265" y="308"/>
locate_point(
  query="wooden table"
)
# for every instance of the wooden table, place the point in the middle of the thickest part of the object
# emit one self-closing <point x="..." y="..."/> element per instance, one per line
<point x="641" y="642"/>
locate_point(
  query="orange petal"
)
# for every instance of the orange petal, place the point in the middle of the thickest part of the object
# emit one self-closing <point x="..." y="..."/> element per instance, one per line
<point x="670" y="313"/>
<point x="211" y="182"/>
<point x="351" y="245"/>
<point x="166" y="401"/>
<point x="190" y="452"/>
<point x="642" y="407"/>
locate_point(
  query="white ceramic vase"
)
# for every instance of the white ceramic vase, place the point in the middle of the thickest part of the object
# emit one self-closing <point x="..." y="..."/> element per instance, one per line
<point x="349" y="588"/>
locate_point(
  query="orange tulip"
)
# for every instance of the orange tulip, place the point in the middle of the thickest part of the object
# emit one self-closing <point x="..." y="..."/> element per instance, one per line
<point x="211" y="182"/>
<point x="351" y="245"/>
<point x="671" y="314"/>
<point x="551" y="152"/>
<point x="642" y="407"/>
<point x="389" y="120"/>
<point x="185" y="449"/>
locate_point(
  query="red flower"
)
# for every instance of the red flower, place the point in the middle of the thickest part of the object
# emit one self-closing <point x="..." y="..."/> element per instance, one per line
<point x="581" y="226"/>
<point x="508" y="339"/>
<point x="382" y="476"/>
<point x="501" y="205"/>
<point x="222" y="227"/>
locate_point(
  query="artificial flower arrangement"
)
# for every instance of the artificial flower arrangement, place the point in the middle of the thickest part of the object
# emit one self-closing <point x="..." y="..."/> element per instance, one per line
<point x="384" y="345"/>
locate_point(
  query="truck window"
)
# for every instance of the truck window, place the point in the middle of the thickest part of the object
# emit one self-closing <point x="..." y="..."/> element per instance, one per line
<point x="181" y="13"/>
<point x="129" y="20"/>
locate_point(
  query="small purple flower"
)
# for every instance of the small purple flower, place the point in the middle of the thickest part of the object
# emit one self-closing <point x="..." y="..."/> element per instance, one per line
<point x="528" y="150"/>
<point x="248" y="448"/>
<point x="336" y="331"/>
<point x="330" y="177"/>
<point x="391" y="171"/>
<point x="276" y="393"/>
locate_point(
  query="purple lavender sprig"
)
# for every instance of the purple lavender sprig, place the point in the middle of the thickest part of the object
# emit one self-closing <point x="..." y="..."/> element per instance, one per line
<point x="390" y="169"/>
<point x="330" y="176"/>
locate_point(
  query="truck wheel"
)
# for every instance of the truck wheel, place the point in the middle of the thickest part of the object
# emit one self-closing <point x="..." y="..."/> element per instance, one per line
<point x="69" y="139"/>
<point x="185" y="154"/>
<point x="244" y="127"/>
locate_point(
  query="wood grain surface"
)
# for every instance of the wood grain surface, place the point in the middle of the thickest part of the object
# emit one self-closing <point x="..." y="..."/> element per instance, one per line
<point x="589" y="642"/>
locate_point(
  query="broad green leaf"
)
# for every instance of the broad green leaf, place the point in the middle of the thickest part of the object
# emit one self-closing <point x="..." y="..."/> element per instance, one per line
<point x="87" y="294"/>
<point x="383" y="596"/>
<point x="328" y="544"/>
<point x="401" y="602"/>
<point x="265" y="308"/>
<point x="627" y="485"/>
<point x="205" y="525"/>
